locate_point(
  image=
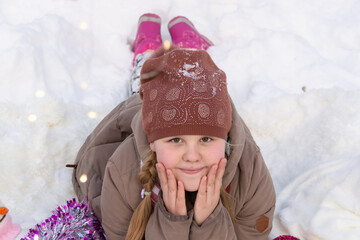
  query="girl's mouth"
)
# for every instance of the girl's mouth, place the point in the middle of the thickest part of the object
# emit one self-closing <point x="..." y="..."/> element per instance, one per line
<point x="191" y="171"/>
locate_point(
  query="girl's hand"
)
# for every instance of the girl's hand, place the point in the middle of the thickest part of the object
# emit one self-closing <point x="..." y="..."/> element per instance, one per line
<point x="208" y="195"/>
<point x="173" y="193"/>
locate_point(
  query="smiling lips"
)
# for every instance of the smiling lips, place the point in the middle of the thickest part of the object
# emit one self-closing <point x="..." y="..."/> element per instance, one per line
<point x="191" y="171"/>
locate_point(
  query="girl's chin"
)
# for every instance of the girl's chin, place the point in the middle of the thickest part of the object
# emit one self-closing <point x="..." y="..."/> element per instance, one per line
<point x="191" y="187"/>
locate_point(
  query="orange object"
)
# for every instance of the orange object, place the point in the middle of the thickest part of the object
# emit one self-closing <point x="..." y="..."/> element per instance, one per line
<point x="3" y="210"/>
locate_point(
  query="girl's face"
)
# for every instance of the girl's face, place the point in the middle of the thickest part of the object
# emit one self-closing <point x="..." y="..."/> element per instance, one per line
<point x="189" y="156"/>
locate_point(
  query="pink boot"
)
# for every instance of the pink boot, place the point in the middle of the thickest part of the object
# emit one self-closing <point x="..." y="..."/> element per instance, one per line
<point x="185" y="35"/>
<point x="148" y="35"/>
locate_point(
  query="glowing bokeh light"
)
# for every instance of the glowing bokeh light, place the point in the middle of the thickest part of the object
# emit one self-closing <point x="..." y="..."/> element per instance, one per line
<point x="32" y="118"/>
<point x="167" y="44"/>
<point x="40" y="94"/>
<point x="13" y="9"/>
<point x="83" y="85"/>
<point x="83" y="178"/>
<point x="92" y="114"/>
<point x="83" y="26"/>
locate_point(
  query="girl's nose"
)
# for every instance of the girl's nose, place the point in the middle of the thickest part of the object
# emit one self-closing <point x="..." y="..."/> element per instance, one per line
<point x="192" y="154"/>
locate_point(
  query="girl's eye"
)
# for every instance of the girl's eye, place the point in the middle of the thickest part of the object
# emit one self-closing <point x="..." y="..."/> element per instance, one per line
<point x="175" y="140"/>
<point x="206" y="139"/>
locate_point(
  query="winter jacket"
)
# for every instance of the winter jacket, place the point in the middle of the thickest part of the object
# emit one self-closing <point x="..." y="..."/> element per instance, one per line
<point x="111" y="159"/>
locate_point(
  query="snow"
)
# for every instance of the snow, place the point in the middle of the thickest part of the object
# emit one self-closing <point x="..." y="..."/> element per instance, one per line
<point x="293" y="70"/>
<point x="185" y="71"/>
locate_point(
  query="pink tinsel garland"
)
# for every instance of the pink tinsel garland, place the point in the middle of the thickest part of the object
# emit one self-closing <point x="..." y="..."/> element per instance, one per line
<point x="71" y="221"/>
<point x="286" y="237"/>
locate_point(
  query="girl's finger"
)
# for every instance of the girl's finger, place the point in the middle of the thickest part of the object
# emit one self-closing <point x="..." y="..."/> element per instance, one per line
<point x="162" y="176"/>
<point x="210" y="186"/>
<point x="180" y="200"/>
<point x="201" y="195"/>
<point x="172" y="186"/>
<point x="164" y="185"/>
<point x="220" y="173"/>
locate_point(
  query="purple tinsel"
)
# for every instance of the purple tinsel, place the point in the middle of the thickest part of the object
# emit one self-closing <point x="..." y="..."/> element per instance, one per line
<point x="286" y="237"/>
<point x="71" y="221"/>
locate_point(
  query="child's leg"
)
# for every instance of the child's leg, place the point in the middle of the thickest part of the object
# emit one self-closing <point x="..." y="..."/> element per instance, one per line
<point x="135" y="75"/>
<point x="148" y="38"/>
<point x="185" y="35"/>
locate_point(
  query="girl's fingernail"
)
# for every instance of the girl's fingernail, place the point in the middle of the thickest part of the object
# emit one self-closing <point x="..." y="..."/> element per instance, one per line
<point x="168" y="173"/>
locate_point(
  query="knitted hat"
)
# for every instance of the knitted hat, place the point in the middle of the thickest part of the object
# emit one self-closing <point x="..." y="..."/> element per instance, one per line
<point x="184" y="93"/>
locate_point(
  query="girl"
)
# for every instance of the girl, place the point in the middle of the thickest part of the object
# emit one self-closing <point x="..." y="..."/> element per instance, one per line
<point x="176" y="161"/>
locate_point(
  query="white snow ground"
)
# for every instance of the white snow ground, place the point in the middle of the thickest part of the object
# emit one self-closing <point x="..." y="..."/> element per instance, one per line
<point x="293" y="69"/>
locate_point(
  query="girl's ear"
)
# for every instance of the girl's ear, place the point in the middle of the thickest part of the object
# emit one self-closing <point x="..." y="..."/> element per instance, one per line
<point x="152" y="147"/>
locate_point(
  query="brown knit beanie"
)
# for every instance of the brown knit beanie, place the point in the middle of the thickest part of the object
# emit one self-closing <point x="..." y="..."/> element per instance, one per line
<point x="184" y="93"/>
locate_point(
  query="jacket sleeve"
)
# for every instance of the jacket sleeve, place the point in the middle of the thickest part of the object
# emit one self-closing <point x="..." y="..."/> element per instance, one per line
<point x="217" y="226"/>
<point x="254" y="220"/>
<point x="164" y="225"/>
<point x="113" y="203"/>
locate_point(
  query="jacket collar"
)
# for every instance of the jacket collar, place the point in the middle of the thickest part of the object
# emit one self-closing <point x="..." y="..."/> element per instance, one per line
<point x="237" y="143"/>
<point x="142" y="144"/>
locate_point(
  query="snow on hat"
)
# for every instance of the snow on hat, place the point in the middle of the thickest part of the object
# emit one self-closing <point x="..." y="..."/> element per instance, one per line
<point x="184" y="93"/>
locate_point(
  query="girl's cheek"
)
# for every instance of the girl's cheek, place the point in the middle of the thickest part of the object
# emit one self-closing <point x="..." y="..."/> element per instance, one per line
<point x="168" y="158"/>
<point x="161" y="158"/>
<point x="217" y="158"/>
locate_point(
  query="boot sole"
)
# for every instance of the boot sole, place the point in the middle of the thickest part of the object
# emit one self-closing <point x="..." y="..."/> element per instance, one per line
<point x="179" y="20"/>
<point x="149" y="18"/>
<point x="187" y="21"/>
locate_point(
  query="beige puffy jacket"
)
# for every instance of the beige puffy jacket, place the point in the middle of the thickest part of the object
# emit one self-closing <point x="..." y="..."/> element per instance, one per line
<point x="111" y="158"/>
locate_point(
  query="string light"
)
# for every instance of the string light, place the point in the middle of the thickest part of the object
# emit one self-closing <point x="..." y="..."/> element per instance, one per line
<point x="83" y="26"/>
<point x="13" y="9"/>
<point x="167" y="44"/>
<point x="83" y="178"/>
<point x="32" y="118"/>
<point x="40" y="94"/>
<point x="83" y="85"/>
<point x="92" y="114"/>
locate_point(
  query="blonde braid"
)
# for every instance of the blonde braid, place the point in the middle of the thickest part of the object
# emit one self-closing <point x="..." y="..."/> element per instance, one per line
<point x="148" y="176"/>
<point x="140" y="218"/>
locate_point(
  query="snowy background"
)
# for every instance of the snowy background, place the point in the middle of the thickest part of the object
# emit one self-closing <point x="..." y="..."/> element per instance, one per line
<point x="293" y="70"/>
